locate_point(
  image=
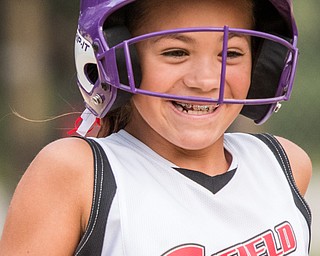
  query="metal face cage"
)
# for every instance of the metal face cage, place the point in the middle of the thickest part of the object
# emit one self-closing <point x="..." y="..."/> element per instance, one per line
<point x="109" y="67"/>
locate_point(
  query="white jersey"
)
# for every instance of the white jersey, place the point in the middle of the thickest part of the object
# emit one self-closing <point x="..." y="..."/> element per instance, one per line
<point x="143" y="206"/>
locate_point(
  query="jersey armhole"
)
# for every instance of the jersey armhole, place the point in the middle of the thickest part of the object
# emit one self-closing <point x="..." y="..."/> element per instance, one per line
<point x="280" y="154"/>
<point x="104" y="189"/>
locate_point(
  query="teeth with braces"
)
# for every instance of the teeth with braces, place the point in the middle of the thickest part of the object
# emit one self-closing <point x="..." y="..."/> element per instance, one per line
<point x="202" y="108"/>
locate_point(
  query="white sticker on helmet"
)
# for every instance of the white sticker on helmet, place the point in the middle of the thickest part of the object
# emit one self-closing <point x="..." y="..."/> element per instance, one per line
<point x="84" y="55"/>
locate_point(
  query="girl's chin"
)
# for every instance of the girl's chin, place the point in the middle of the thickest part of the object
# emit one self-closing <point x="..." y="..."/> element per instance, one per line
<point x="196" y="141"/>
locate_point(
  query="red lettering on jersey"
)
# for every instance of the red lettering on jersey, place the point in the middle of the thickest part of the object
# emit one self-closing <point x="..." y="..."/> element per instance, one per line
<point x="287" y="237"/>
<point x="230" y="252"/>
<point x="256" y="247"/>
<point x="271" y="245"/>
<point x="263" y="244"/>
<point x="186" y="250"/>
<point x="239" y="251"/>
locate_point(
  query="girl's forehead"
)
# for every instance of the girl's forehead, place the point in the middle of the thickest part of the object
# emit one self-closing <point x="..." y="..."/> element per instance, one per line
<point x="178" y="13"/>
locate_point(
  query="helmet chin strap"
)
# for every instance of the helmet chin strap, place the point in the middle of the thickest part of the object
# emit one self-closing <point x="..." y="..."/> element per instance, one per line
<point x="87" y="121"/>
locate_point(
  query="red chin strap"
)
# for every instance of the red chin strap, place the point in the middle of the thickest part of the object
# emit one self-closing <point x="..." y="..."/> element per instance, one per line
<point x="85" y="123"/>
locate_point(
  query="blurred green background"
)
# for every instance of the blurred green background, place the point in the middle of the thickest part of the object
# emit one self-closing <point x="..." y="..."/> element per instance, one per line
<point x="37" y="80"/>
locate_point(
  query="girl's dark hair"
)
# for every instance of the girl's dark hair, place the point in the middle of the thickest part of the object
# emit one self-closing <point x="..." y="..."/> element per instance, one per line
<point x="131" y="16"/>
<point x="115" y="120"/>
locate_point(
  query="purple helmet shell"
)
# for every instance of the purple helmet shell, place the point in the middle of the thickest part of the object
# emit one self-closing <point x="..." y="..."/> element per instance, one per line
<point x="108" y="68"/>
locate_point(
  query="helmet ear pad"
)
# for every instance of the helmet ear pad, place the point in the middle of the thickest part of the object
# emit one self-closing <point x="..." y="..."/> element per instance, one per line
<point x="269" y="60"/>
<point x="115" y="35"/>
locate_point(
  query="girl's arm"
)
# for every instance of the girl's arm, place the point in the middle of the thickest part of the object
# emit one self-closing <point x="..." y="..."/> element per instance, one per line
<point x="51" y="205"/>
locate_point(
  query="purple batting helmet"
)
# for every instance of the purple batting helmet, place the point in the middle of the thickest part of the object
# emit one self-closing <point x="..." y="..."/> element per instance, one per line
<point x="108" y="68"/>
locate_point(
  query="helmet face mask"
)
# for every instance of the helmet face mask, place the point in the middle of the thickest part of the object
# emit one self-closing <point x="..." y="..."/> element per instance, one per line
<point x="109" y="71"/>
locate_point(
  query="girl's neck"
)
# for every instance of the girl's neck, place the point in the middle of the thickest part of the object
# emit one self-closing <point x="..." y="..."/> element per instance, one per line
<point x="212" y="161"/>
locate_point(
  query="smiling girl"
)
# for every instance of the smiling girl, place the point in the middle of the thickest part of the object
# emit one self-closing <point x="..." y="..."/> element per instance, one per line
<point x="167" y="78"/>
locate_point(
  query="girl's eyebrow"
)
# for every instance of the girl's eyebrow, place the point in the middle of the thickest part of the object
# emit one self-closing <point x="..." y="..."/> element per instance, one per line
<point x="187" y="39"/>
<point x="232" y="35"/>
<point x="176" y="36"/>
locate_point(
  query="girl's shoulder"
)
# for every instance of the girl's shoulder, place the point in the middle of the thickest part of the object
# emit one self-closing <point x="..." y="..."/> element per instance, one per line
<point x="299" y="160"/>
<point x="69" y="162"/>
<point x="66" y="153"/>
<point x="55" y="192"/>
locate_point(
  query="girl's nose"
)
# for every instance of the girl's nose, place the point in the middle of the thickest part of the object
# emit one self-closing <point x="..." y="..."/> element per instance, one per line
<point x="204" y="76"/>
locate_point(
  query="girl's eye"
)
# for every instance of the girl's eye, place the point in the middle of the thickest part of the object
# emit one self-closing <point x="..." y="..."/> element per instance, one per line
<point x="175" y="53"/>
<point x="234" y="54"/>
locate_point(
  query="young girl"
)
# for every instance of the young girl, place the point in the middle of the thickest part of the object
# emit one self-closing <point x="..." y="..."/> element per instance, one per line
<point x="167" y="78"/>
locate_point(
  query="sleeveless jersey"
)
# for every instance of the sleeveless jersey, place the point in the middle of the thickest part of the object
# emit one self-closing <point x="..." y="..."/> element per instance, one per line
<point x="143" y="206"/>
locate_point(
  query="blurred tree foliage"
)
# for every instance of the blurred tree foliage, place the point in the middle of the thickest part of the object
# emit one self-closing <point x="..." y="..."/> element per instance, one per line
<point x="37" y="79"/>
<point x="298" y="120"/>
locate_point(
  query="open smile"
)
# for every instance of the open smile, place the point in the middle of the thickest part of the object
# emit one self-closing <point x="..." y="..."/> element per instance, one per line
<point x="195" y="109"/>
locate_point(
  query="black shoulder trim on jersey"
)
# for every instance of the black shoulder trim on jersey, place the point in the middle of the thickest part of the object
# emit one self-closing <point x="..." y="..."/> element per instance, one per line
<point x="283" y="160"/>
<point x="103" y="193"/>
